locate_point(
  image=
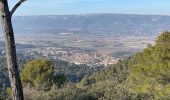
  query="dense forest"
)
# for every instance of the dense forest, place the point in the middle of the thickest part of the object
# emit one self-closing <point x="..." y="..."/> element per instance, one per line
<point x="144" y="76"/>
<point x="74" y="73"/>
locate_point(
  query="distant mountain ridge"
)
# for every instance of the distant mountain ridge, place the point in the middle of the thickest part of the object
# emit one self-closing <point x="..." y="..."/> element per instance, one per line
<point x="120" y="24"/>
<point x="116" y="24"/>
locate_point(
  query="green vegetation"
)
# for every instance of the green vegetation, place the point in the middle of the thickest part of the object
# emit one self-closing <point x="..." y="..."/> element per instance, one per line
<point x="37" y="73"/>
<point x="150" y="73"/>
<point x="104" y="85"/>
<point x="144" y="76"/>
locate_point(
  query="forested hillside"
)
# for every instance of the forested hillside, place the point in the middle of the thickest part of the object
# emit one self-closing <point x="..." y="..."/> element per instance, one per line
<point x="145" y="75"/>
<point x="74" y="73"/>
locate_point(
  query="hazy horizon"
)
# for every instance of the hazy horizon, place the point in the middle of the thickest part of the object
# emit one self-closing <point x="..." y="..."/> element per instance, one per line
<point x="82" y="14"/>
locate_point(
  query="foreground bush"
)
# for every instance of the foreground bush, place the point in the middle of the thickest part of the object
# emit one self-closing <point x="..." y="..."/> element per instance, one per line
<point x="39" y="73"/>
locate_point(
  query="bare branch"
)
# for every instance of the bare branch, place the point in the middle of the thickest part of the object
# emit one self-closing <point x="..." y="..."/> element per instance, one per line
<point x="16" y="6"/>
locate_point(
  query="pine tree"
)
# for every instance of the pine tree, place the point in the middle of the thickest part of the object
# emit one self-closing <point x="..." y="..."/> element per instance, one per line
<point x="10" y="48"/>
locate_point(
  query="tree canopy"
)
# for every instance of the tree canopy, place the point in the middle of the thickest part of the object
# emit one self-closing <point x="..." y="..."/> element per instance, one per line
<point x="40" y="72"/>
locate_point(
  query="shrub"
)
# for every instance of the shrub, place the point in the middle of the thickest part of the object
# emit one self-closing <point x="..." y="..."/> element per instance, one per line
<point x="39" y="73"/>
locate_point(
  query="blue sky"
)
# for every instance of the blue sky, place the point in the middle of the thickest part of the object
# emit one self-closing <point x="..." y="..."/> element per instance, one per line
<point x="71" y="7"/>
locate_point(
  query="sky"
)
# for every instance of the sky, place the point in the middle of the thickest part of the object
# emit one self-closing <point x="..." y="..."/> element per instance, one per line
<point x="72" y="7"/>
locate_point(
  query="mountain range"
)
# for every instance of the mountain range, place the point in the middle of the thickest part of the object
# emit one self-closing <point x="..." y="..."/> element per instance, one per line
<point x="116" y="24"/>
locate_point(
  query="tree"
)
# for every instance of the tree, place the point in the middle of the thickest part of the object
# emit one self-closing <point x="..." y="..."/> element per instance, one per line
<point x="37" y="73"/>
<point x="150" y="73"/>
<point x="10" y="48"/>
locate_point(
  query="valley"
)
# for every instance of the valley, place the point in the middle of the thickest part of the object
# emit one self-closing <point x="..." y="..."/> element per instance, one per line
<point x="82" y="48"/>
<point x="93" y="39"/>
